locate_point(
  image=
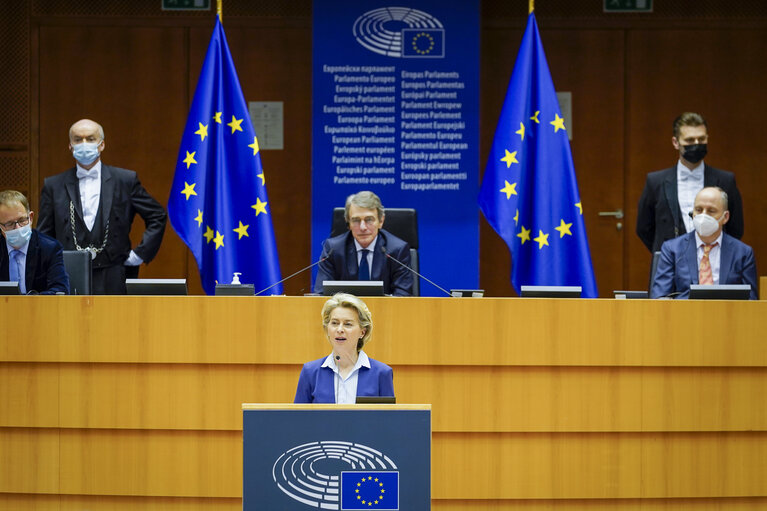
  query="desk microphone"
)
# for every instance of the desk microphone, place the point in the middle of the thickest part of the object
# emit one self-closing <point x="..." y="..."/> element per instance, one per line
<point x="383" y="250"/>
<point x="321" y="259"/>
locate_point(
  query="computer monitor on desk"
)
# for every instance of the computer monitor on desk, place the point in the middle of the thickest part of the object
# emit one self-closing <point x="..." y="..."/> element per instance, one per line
<point x="162" y="287"/>
<point x="720" y="292"/>
<point x="551" y="291"/>
<point x="9" y="288"/>
<point x="354" y="287"/>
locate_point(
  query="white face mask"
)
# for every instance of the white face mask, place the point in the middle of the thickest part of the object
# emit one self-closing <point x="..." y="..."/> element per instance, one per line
<point x="17" y="237"/>
<point x="705" y="225"/>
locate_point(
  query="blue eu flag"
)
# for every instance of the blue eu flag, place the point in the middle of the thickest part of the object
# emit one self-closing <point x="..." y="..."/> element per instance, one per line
<point x="218" y="203"/>
<point x="529" y="193"/>
<point x="369" y="490"/>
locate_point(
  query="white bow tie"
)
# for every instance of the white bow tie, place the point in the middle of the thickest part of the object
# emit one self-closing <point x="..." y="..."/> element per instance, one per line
<point x="85" y="174"/>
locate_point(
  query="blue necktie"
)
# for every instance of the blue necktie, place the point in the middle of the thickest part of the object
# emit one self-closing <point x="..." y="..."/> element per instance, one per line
<point x="13" y="266"/>
<point x="364" y="267"/>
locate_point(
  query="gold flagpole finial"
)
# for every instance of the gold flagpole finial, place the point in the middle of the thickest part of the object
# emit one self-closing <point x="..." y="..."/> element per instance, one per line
<point x="532" y="6"/>
<point x="220" y="10"/>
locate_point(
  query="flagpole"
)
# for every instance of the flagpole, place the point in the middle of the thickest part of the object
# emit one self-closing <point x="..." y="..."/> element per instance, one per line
<point x="220" y="10"/>
<point x="530" y="9"/>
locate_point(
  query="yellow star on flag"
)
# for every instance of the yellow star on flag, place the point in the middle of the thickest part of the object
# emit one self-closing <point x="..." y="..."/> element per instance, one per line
<point x="558" y="123"/>
<point x="189" y="159"/>
<point x="516" y="217"/>
<point x="235" y="124"/>
<point x="263" y="179"/>
<point x="203" y="131"/>
<point x="254" y="145"/>
<point x="217" y="117"/>
<point x="198" y="218"/>
<point x="580" y="207"/>
<point x="208" y="233"/>
<point x="534" y="118"/>
<point x="510" y="189"/>
<point x="542" y="239"/>
<point x="521" y="131"/>
<point x="218" y="240"/>
<point x="563" y="228"/>
<point x="524" y="235"/>
<point x="189" y="190"/>
<point x="242" y="230"/>
<point x="259" y="206"/>
<point x="509" y="158"/>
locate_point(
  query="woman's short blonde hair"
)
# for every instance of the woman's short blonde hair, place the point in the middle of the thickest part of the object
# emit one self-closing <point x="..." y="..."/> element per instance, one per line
<point x="348" y="301"/>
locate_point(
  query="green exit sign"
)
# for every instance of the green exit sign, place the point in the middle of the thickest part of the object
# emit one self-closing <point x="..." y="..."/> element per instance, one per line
<point x="628" y="6"/>
<point x="185" y="5"/>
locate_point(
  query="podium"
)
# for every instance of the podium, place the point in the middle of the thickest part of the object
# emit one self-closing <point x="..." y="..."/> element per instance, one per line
<point x="339" y="457"/>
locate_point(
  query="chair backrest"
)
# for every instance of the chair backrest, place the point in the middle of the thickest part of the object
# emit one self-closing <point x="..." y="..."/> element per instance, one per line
<point x="79" y="267"/>
<point x="401" y="222"/>
<point x="653" y="269"/>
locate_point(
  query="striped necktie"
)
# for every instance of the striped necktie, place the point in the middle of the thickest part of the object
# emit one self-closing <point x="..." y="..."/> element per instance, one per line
<point x="705" y="276"/>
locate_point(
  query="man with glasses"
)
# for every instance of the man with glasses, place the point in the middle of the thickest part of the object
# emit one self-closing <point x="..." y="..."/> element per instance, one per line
<point x="91" y="207"/>
<point x="360" y="254"/>
<point x="665" y="208"/>
<point x="32" y="259"/>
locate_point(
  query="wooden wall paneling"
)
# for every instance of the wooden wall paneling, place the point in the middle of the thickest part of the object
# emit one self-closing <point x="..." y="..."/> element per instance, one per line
<point x="29" y="460"/>
<point x="534" y="331"/>
<point x="535" y="399"/>
<point x="496" y="465"/>
<point x="720" y="78"/>
<point x="577" y="466"/>
<point x="28" y="502"/>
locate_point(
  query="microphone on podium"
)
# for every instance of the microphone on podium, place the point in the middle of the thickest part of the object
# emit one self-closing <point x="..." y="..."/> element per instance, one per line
<point x="321" y="259"/>
<point x="383" y="250"/>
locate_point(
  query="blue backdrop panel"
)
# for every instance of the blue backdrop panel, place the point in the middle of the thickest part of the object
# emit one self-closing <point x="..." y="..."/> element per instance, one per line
<point x="336" y="459"/>
<point x="395" y="111"/>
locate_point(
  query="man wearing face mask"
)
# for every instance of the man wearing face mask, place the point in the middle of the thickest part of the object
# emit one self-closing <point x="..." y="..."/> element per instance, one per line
<point x="668" y="195"/>
<point x="91" y="207"/>
<point x="28" y="257"/>
<point x="707" y="255"/>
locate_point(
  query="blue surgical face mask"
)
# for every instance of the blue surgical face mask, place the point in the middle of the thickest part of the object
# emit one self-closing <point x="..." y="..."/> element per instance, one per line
<point x="18" y="237"/>
<point x="86" y="152"/>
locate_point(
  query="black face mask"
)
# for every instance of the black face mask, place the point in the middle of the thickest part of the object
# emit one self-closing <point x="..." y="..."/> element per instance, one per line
<point x="694" y="152"/>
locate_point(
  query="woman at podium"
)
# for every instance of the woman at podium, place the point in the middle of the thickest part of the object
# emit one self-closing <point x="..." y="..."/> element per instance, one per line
<point x="347" y="372"/>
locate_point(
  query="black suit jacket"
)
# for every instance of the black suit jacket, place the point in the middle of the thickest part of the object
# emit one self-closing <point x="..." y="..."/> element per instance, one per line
<point x="342" y="263"/>
<point x="44" y="273"/>
<point x="658" y="216"/>
<point x="122" y="196"/>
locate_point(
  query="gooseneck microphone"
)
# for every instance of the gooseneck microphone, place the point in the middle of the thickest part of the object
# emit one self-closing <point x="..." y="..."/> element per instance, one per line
<point x="383" y="250"/>
<point x="321" y="259"/>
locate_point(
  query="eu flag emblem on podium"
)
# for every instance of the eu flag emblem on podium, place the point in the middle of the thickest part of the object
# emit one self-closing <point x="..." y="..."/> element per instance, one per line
<point x="529" y="193"/>
<point x="218" y="203"/>
<point x="369" y="490"/>
<point x="423" y="42"/>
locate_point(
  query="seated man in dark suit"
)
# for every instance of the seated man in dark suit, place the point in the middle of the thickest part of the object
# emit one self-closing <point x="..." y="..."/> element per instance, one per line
<point x="360" y="254"/>
<point x="27" y="256"/>
<point x="707" y="255"/>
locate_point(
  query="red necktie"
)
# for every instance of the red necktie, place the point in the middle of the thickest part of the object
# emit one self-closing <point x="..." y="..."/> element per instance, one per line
<point x="704" y="272"/>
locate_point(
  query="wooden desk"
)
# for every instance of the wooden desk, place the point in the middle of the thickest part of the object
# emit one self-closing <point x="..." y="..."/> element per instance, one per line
<point x="134" y="402"/>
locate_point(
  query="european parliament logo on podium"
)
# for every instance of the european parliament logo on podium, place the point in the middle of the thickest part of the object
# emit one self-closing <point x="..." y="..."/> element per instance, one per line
<point x="336" y="457"/>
